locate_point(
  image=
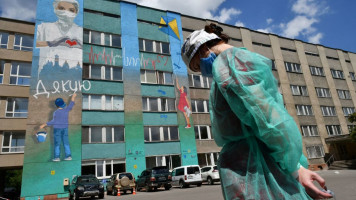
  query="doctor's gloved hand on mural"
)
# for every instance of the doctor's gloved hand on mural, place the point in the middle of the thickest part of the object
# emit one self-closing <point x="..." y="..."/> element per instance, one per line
<point x="60" y="127"/>
<point x="262" y="154"/>
<point x="63" y="32"/>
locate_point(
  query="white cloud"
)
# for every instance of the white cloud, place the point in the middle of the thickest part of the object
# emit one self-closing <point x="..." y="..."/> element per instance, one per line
<point x="239" y="23"/>
<point x="309" y="8"/>
<point x="19" y="9"/>
<point x="299" y="25"/>
<point x="266" y="30"/>
<point x="269" y="20"/>
<point x="197" y="8"/>
<point x="315" y="38"/>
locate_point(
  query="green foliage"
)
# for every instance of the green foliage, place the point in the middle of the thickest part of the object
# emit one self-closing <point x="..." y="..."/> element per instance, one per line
<point x="13" y="178"/>
<point x="352" y="119"/>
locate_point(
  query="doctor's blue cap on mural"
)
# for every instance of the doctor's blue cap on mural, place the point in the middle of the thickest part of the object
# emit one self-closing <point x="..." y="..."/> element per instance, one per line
<point x="193" y="42"/>
<point x="60" y="103"/>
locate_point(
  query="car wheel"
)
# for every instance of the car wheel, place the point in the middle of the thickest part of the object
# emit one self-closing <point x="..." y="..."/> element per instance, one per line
<point x="125" y="191"/>
<point x="108" y="192"/>
<point x="70" y="196"/>
<point x="199" y="184"/>
<point x="210" y="181"/>
<point x="101" y="196"/>
<point x="75" y="196"/>
<point x="114" y="192"/>
<point x="132" y="191"/>
<point x="167" y="187"/>
<point x="181" y="184"/>
<point x="148" y="188"/>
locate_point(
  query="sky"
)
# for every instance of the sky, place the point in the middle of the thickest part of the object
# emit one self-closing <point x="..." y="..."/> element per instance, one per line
<point x="331" y="23"/>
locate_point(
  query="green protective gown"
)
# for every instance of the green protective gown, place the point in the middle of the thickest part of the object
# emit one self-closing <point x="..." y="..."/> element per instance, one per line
<point x="262" y="145"/>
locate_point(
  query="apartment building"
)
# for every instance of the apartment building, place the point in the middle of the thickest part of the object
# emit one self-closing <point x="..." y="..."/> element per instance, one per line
<point x="16" y="41"/>
<point x="130" y="78"/>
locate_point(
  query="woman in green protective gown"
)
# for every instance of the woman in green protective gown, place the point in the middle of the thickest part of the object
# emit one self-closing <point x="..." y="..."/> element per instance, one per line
<point x="262" y="154"/>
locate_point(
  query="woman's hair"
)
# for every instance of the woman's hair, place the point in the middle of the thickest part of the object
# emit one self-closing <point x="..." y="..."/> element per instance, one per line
<point x="185" y="90"/>
<point x="213" y="28"/>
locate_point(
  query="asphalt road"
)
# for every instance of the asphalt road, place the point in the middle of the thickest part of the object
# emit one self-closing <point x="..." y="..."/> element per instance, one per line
<point x="342" y="183"/>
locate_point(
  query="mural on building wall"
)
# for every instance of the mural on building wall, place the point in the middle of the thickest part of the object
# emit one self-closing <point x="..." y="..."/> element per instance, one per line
<point x="55" y="92"/>
<point x="183" y="104"/>
<point x="172" y="26"/>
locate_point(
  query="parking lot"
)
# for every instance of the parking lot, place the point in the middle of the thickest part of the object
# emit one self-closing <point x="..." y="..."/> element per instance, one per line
<point x="205" y="192"/>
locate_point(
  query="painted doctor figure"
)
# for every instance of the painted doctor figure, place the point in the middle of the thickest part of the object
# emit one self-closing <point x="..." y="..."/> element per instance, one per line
<point x="63" y="32"/>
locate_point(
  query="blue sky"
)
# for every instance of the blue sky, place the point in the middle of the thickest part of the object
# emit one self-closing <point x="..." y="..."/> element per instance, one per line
<point x="331" y="23"/>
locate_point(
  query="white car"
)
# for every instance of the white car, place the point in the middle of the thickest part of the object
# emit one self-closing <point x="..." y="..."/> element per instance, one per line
<point x="186" y="175"/>
<point x="210" y="174"/>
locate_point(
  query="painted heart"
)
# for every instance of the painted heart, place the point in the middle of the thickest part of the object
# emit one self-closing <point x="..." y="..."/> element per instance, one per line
<point x="71" y="43"/>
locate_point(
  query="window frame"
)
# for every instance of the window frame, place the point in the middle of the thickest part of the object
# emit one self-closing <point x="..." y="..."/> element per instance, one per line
<point x="103" y="102"/>
<point x="163" y="160"/>
<point x="293" y="67"/>
<point x="328" y="111"/>
<point x="321" y="149"/>
<point x="208" y="129"/>
<point x="157" y="77"/>
<point x="161" y="134"/>
<point x="335" y="129"/>
<point x="345" y="94"/>
<point x="325" y="92"/>
<point x="349" y="111"/>
<point x="3" y="45"/>
<point x="299" y="90"/>
<point x="2" y="69"/>
<point x="159" y="104"/>
<point x="17" y="76"/>
<point x="316" y="71"/>
<point x="205" y="82"/>
<point x="103" y="69"/>
<point x="104" y="164"/>
<point x="10" y="146"/>
<point x="104" y="132"/>
<point x="20" y="46"/>
<point x="312" y="130"/>
<point x="195" y="106"/>
<point x="13" y="108"/>
<point x="307" y="110"/>
<point x="337" y="74"/>
<point x="102" y="38"/>
<point x="155" y="44"/>
<point x="209" y="156"/>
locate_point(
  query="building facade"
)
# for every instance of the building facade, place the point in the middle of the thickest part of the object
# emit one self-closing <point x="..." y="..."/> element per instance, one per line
<point x="133" y="92"/>
<point x="16" y="41"/>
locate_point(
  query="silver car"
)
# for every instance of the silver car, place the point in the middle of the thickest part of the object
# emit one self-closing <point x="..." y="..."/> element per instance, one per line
<point x="210" y="174"/>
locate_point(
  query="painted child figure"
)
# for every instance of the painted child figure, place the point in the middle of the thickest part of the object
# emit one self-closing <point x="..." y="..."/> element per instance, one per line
<point x="60" y="128"/>
<point x="183" y="104"/>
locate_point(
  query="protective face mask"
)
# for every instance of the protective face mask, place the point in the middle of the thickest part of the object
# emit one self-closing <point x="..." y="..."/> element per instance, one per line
<point x="206" y="65"/>
<point x="65" y="16"/>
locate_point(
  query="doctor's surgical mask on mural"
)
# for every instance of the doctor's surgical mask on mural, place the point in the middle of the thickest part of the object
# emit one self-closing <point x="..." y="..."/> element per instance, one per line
<point x="66" y="10"/>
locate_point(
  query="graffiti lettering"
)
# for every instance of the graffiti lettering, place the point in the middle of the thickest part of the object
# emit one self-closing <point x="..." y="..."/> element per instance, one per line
<point x="66" y="87"/>
<point x="110" y="58"/>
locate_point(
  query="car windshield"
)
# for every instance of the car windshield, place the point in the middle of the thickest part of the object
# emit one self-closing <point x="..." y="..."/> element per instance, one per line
<point x="123" y="175"/>
<point x="88" y="180"/>
<point x="215" y="168"/>
<point x="193" y="170"/>
<point x="160" y="171"/>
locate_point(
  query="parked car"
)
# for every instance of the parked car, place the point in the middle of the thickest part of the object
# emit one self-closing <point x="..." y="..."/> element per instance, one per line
<point x="186" y="175"/>
<point x="210" y="174"/>
<point x="154" y="178"/>
<point x="123" y="181"/>
<point x="85" y="186"/>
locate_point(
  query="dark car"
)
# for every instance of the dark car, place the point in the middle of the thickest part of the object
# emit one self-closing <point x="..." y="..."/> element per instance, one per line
<point x="154" y="178"/>
<point x="86" y="186"/>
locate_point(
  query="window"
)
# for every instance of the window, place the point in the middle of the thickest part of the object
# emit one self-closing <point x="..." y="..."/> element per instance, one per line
<point x="102" y="102"/>
<point x="315" y="151"/>
<point x="293" y="67"/>
<point x="199" y="81"/>
<point x="4" y="38"/>
<point x="13" y="142"/>
<point x="103" y="168"/>
<point x="261" y="44"/>
<point x="206" y="159"/>
<point x="350" y="127"/>
<point x="352" y="76"/>
<point x="20" y="73"/>
<point x="286" y="49"/>
<point x="337" y="74"/>
<point x="348" y="110"/>
<point x="2" y="68"/>
<point x="311" y="54"/>
<point x="171" y="161"/>
<point x="107" y="39"/>
<point x="323" y="92"/>
<point x="161" y="133"/>
<point x="344" y="94"/>
<point x="102" y="72"/>
<point x="23" y="42"/>
<point x="17" y="107"/>
<point x="153" y="46"/>
<point x="274" y="65"/>
<point x="156" y="77"/>
<point x="299" y="90"/>
<point x="203" y="132"/>
<point x="328" y="110"/>
<point x="200" y="106"/>
<point x="310" y="130"/>
<point x="316" y="71"/>
<point x="103" y="134"/>
<point x="158" y="104"/>
<point x="333" y="130"/>
<point x="304" y="110"/>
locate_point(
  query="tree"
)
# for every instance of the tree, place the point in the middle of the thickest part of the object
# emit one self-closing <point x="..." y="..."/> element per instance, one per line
<point x="352" y="119"/>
